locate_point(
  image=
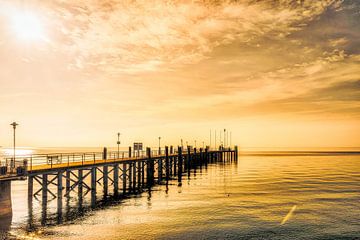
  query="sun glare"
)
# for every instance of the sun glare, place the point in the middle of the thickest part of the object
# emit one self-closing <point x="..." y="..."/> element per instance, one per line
<point x="27" y="26"/>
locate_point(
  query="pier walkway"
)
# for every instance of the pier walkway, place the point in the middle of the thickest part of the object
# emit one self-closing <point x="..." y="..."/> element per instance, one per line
<point x="58" y="175"/>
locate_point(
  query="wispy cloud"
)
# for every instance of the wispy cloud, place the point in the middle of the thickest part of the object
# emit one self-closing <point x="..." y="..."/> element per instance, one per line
<point x="134" y="36"/>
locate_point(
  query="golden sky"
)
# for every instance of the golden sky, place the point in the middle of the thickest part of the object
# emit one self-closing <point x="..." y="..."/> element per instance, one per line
<point x="275" y="73"/>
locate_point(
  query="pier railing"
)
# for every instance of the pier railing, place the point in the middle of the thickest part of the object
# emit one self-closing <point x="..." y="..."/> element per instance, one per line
<point x="33" y="162"/>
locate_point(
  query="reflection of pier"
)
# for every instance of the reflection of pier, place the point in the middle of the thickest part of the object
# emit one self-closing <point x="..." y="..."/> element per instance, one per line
<point x="113" y="173"/>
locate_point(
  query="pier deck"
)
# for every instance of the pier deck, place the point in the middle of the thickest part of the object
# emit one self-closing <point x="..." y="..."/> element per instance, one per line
<point x="58" y="175"/>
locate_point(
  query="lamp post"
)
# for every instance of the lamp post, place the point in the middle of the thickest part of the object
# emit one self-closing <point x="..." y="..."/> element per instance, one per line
<point x="224" y="137"/>
<point x="14" y="124"/>
<point x="118" y="144"/>
<point x="182" y="143"/>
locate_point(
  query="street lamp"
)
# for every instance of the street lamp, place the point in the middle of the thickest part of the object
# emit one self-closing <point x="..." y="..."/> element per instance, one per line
<point x="224" y="137"/>
<point x="118" y="143"/>
<point x="14" y="124"/>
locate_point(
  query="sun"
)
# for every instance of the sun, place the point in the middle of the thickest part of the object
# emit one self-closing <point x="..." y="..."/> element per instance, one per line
<point x="27" y="26"/>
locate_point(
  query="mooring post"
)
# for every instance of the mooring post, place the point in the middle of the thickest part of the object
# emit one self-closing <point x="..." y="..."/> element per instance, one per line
<point x="59" y="192"/>
<point x="150" y="168"/>
<point x="93" y="186"/>
<point x="116" y="179"/>
<point x="124" y="178"/>
<point x="180" y="162"/>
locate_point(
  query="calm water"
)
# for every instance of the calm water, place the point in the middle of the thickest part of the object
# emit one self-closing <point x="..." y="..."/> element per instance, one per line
<point x="260" y="197"/>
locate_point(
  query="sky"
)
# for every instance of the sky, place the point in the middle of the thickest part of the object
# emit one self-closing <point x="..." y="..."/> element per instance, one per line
<point x="273" y="73"/>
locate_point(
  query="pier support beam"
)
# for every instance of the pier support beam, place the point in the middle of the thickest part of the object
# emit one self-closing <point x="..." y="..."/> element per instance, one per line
<point x="124" y="178"/>
<point x="180" y="164"/>
<point x="150" y="168"/>
<point x="116" y="179"/>
<point x="93" y="187"/>
<point x="59" y="192"/>
<point x="105" y="179"/>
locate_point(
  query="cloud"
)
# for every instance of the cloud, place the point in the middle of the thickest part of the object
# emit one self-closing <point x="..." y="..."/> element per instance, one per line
<point x="135" y="36"/>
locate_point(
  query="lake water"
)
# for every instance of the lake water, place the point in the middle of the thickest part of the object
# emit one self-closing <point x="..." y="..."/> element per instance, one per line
<point x="265" y="196"/>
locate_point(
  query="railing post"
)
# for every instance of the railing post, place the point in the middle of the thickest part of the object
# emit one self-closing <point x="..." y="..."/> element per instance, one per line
<point x="105" y="153"/>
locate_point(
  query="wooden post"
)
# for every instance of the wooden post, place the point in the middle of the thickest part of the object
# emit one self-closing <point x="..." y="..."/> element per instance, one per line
<point x="59" y="193"/>
<point x="160" y="170"/>
<point x="142" y="173"/>
<point x="206" y="156"/>
<point x="93" y="186"/>
<point x="105" y="179"/>
<point x="188" y="160"/>
<point x="130" y="176"/>
<point x="129" y="152"/>
<point x="139" y="174"/>
<point x="150" y="168"/>
<point x="30" y="187"/>
<point x="134" y="175"/>
<point x="171" y="150"/>
<point x="167" y="170"/>
<point x="180" y="162"/>
<point x="68" y="176"/>
<point x="175" y="162"/>
<point x="236" y="153"/>
<point x="195" y="157"/>
<point x="105" y="153"/>
<point x="116" y="179"/>
<point x="80" y="186"/>
<point x="124" y="178"/>
<point x="44" y="188"/>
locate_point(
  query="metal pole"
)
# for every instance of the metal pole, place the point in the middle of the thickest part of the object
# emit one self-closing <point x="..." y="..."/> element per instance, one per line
<point x="14" y="124"/>
<point x="118" y="143"/>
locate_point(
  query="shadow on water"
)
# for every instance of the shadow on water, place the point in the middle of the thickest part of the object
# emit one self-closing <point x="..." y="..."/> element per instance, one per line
<point x="76" y="208"/>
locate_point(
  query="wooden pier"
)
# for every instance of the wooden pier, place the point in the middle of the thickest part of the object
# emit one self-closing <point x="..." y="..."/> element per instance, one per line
<point x="55" y="176"/>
